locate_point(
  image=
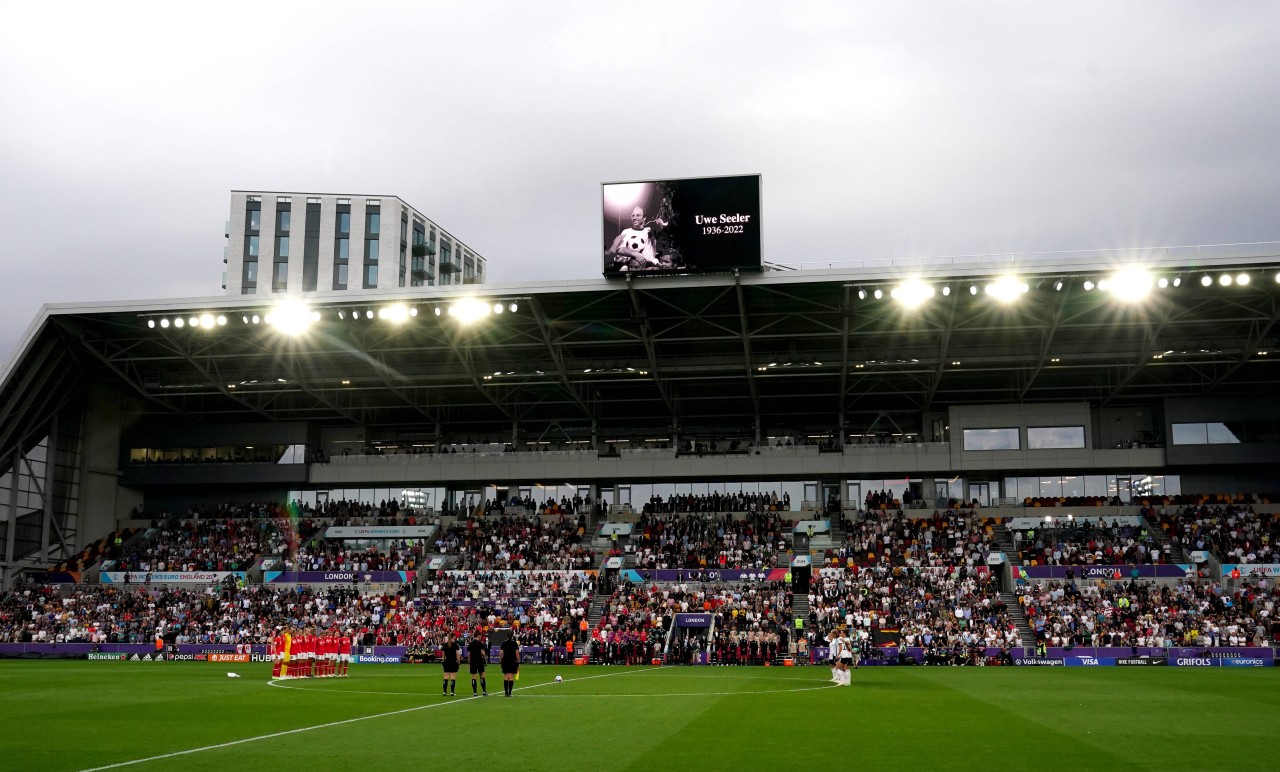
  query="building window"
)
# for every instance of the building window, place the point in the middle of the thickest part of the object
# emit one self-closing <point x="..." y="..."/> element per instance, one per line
<point x="344" y="222"/>
<point x="251" y="271"/>
<point x="991" y="439"/>
<point x="340" y="276"/>
<point x="251" y="246"/>
<point x="282" y="220"/>
<point x="342" y="249"/>
<point x="1048" y="437"/>
<point x="372" y="222"/>
<point x="280" y="281"/>
<point x="1209" y="433"/>
<point x="255" y="219"/>
<point x="371" y="249"/>
<point x="370" y="275"/>
<point x="282" y="246"/>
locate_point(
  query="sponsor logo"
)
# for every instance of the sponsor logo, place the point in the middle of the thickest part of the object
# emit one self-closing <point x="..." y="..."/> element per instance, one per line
<point x="228" y="657"/>
<point x="261" y="658"/>
<point x="103" y="656"/>
<point x="1194" y="662"/>
<point x="376" y="659"/>
<point x="1088" y="660"/>
<point x="1243" y="662"/>
<point x="1139" y="661"/>
<point x="1044" y="661"/>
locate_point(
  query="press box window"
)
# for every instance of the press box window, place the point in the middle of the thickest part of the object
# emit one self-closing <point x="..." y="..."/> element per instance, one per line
<point x="1052" y="437"/>
<point x="991" y="439"/>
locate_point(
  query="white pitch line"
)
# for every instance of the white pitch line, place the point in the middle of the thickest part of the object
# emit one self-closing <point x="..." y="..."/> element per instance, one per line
<point x="287" y="732"/>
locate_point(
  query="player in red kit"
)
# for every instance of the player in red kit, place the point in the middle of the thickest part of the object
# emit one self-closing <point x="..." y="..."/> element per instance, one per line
<point x="344" y="653"/>
<point x="277" y="653"/>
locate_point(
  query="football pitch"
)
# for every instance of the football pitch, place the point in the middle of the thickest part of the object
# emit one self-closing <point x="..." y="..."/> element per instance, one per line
<point x="78" y="715"/>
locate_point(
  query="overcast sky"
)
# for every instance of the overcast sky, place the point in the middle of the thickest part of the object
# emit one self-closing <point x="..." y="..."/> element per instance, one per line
<point x="880" y="129"/>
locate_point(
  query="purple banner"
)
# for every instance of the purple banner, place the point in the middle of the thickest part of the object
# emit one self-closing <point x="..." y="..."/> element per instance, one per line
<point x="694" y="620"/>
<point x="1113" y="573"/>
<point x="336" y="577"/>
<point x="705" y="575"/>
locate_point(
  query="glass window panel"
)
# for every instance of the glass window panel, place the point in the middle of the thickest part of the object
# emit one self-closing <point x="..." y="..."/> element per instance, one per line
<point x="371" y="274"/>
<point x="251" y="270"/>
<point x="374" y="223"/>
<point x="252" y="247"/>
<point x="1220" y="434"/>
<point x="282" y="273"/>
<point x="282" y="220"/>
<point x="344" y="222"/>
<point x="255" y="219"/>
<point x="371" y="249"/>
<point x="1190" y="434"/>
<point x="342" y="275"/>
<point x="1073" y="485"/>
<point x="1050" y="487"/>
<point x="282" y="246"/>
<point x="1042" y="437"/>
<point x="342" y="250"/>
<point x="991" y="439"/>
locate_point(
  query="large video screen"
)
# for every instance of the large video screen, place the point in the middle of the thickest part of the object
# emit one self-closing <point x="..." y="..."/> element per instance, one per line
<point x="682" y="226"/>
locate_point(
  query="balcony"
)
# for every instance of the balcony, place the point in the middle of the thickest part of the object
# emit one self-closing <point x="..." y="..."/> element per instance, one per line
<point x="448" y="266"/>
<point x="422" y="250"/>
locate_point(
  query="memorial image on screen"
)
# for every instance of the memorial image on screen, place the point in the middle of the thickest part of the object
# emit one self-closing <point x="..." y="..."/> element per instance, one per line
<point x="682" y="226"/>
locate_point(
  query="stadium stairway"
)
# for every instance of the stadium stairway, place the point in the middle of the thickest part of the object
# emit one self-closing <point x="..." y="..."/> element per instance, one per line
<point x="1025" y="633"/>
<point x="1167" y="546"/>
<point x="1004" y="540"/>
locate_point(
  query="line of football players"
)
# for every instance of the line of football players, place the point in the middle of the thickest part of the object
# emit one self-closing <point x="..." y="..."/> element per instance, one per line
<point x="308" y="653"/>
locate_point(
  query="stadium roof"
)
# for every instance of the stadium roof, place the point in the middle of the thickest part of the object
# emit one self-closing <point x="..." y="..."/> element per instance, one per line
<point x="797" y="349"/>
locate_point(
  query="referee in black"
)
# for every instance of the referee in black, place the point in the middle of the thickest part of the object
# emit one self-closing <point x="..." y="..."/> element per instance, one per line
<point x="449" y="658"/>
<point x="476" y="656"/>
<point x="510" y="664"/>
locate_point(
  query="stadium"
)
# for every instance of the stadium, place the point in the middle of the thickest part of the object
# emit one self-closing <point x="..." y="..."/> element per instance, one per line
<point x="1035" y="495"/>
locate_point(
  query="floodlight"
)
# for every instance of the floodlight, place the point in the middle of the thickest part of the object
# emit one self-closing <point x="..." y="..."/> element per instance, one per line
<point x="912" y="293"/>
<point x="413" y="311"/>
<point x="256" y="319"/>
<point x="1242" y="279"/>
<point x="1225" y="280"/>
<point x="498" y="308"/>
<point x="437" y="310"/>
<point x="396" y="314"/>
<point x="291" y="316"/>
<point x="946" y="290"/>
<point x="973" y="289"/>
<point x="222" y="320"/>
<point x="1162" y="282"/>
<point x="1057" y="285"/>
<point x="513" y="307"/>
<point x="1177" y="281"/>
<point x="1088" y="286"/>
<point x="368" y="314"/>
<point x="194" y="322"/>
<point x="469" y="310"/>
<point x="244" y="318"/>
<point x="342" y="314"/>
<point x="879" y="293"/>
<point x="1007" y="289"/>
<point x="206" y="321"/>
<point x="179" y="322"/>
<point x="1206" y="280"/>
<point x="151" y="323"/>
<point x="164" y="323"/>
<point x="1130" y="285"/>
<point x="862" y="294"/>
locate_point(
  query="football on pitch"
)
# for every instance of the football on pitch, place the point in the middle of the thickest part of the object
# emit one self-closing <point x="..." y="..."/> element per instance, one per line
<point x="559" y="679"/>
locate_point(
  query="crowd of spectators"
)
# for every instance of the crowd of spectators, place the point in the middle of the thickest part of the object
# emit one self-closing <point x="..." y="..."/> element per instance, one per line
<point x="514" y="542"/>
<point x="888" y="538"/>
<point x="739" y="501"/>
<point x="751" y="623"/>
<point x="1190" y="613"/>
<point x="954" y="613"/>
<point x="1232" y="532"/>
<point x="1084" y="542"/>
<point x="708" y="541"/>
<point x="198" y="545"/>
<point x="543" y="606"/>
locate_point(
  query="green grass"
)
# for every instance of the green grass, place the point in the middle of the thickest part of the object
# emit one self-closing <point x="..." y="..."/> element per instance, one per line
<point x="79" y="715"/>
